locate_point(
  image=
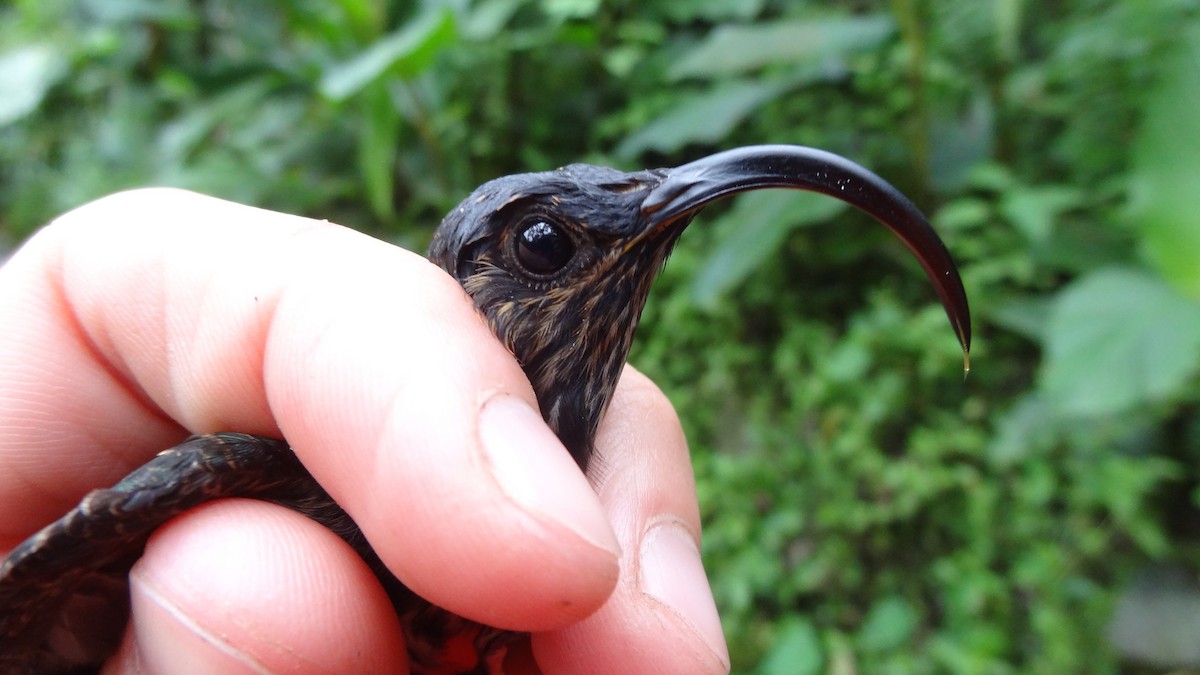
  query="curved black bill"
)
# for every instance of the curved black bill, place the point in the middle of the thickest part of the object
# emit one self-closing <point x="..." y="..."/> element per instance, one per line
<point x="688" y="188"/>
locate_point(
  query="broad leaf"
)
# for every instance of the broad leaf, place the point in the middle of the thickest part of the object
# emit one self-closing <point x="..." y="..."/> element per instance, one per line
<point x="888" y="625"/>
<point x="1034" y="210"/>
<point x="740" y="48"/>
<point x="1119" y="338"/>
<point x="488" y="18"/>
<point x="570" y="9"/>
<point x="711" y="10"/>
<point x="28" y="73"/>
<point x="406" y="51"/>
<point x="795" y="651"/>
<point x="700" y="118"/>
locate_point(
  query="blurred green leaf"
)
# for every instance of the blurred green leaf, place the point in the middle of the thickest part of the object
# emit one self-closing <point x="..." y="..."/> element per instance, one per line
<point x="700" y="118"/>
<point x="1119" y="338"/>
<point x="129" y="11"/>
<point x="1024" y="316"/>
<point x="405" y="52"/>
<point x="362" y="17"/>
<point x="751" y="231"/>
<point x="1007" y="16"/>
<point x="960" y="138"/>
<point x="737" y="49"/>
<point x="1022" y="432"/>
<point x="712" y="10"/>
<point x="26" y="74"/>
<point x="1034" y="211"/>
<point x="1122" y="483"/>
<point x="377" y="148"/>
<point x="488" y="18"/>
<point x="888" y="625"/>
<point x="570" y="9"/>
<point x="1165" y="182"/>
<point x="963" y="214"/>
<point x="796" y="649"/>
<point x="185" y="134"/>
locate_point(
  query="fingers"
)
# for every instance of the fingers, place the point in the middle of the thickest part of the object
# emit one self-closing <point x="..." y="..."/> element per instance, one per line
<point x="198" y="593"/>
<point x="221" y="589"/>
<point x="426" y="431"/>
<point x="154" y="313"/>
<point x="661" y="617"/>
<point x="150" y="314"/>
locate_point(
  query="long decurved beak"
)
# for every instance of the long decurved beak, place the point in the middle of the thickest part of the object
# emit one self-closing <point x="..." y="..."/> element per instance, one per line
<point x="688" y="188"/>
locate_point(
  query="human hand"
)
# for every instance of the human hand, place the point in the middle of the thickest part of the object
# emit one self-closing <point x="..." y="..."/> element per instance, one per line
<point x="148" y="315"/>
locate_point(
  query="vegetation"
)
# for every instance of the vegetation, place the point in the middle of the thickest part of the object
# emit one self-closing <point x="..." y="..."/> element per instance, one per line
<point x="865" y="509"/>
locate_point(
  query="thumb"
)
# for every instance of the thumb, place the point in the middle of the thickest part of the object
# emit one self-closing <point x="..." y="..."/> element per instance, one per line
<point x="661" y="617"/>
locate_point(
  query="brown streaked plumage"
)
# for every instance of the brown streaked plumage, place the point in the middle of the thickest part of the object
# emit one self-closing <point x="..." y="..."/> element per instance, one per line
<point x="560" y="263"/>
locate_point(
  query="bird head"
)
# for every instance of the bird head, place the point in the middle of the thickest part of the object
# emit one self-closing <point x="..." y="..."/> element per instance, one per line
<point x="560" y="263"/>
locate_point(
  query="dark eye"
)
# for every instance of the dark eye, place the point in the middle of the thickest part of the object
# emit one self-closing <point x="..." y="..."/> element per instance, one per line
<point x="542" y="248"/>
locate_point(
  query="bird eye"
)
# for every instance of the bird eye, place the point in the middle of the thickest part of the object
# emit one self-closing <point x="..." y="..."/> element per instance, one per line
<point x="542" y="248"/>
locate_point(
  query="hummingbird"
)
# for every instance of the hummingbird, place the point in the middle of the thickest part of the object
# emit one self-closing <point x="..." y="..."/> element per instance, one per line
<point x="560" y="264"/>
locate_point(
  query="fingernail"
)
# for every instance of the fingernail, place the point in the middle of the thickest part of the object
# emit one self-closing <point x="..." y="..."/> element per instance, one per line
<point x="537" y="473"/>
<point x="672" y="573"/>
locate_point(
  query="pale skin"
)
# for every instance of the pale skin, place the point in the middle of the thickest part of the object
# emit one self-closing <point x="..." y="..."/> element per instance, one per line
<point x="135" y="320"/>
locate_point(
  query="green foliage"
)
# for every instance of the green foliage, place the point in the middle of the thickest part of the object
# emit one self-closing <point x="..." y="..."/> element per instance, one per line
<point x="1165" y="190"/>
<point x="865" y="509"/>
<point x="1116" y="338"/>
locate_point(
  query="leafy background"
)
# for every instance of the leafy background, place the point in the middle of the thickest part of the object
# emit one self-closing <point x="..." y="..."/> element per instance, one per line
<point x="865" y="509"/>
